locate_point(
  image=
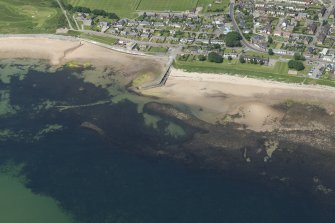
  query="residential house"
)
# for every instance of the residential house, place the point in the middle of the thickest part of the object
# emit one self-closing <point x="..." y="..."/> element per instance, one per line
<point x="321" y="38"/>
<point x="87" y="22"/>
<point x="232" y="55"/>
<point x="322" y="11"/>
<point x="257" y="59"/>
<point x="332" y="14"/>
<point x="311" y="28"/>
<point x="144" y="23"/>
<point x="325" y="29"/>
<point x="302" y="16"/>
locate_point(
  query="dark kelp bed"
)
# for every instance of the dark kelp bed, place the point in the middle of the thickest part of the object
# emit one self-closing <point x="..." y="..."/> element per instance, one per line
<point x="118" y="168"/>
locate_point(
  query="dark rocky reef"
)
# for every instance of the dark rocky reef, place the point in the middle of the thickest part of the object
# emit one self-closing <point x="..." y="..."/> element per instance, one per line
<point x="302" y="158"/>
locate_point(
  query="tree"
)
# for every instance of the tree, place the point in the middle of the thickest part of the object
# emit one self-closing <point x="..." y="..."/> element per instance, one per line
<point x="242" y="60"/>
<point x="296" y="64"/>
<point x="270" y="40"/>
<point x="299" y="56"/>
<point x="230" y="58"/>
<point x="270" y="52"/>
<point x="216" y="46"/>
<point x="201" y="57"/>
<point x="233" y="39"/>
<point x="214" y="57"/>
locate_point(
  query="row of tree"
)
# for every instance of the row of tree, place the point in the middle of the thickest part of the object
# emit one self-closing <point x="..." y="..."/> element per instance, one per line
<point x="212" y="57"/>
<point x="96" y="12"/>
<point x="233" y="39"/>
<point x="297" y="62"/>
<point x="217" y="58"/>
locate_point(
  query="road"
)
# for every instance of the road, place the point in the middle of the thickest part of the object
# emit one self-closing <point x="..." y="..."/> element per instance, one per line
<point x="318" y="31"/>
<point x="65" y="13"/>
<point x="75" y="20"/>
<point x="244" y="41"/>
<point x="128" y="39"/>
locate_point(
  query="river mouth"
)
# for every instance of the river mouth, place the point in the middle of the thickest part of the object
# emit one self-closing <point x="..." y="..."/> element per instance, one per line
<point x="106" y="155"/>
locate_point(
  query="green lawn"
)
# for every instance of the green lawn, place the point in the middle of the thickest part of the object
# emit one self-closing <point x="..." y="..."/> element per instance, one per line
<point x="277" y="72"/>
<point x="33" y="16"/>
<point x="158" y="49"/>
<point x="100" y="39"/>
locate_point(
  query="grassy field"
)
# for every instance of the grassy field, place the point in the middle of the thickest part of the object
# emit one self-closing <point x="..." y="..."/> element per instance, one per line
<point x="127" y="8"/>
<point x="164" y="5"/>
<point x="33" y="16"/>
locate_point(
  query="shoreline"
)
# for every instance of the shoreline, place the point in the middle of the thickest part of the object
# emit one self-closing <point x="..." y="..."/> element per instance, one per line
<point x="222" y="98"/>
<point x="211" y="97"/>
<point x="63" y="49"/>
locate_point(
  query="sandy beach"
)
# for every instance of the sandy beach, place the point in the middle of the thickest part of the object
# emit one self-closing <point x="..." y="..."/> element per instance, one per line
<point x="59" y="51"/>
<point x="214" y="97"/>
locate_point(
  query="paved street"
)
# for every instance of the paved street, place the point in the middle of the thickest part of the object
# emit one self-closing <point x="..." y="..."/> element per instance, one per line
<point x="244" y="41"/>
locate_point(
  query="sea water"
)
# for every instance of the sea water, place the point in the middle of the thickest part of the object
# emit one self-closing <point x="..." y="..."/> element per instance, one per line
<point x="52" y="169"/>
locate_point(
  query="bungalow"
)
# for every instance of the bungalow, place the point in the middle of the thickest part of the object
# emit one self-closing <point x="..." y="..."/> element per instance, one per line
<point x="232" y="55"/>
<point x="324" y="52"/>
<point x="328" y="58"/>
<point x="131" y="45"/>
<point x="202" y="41"/>
<point x="132" y="23"/>
<point x="87" y="22"/>
<point x="332" y="14"/>
<point x="121" y="22"/>
<point x="310" y="50"/>
<point x="321" y="38"/>
<point x="286" y="34"/>
<point x="312" y="28"/>
<point x="175" y="25"/>
<point x="216" y="41"/>
<point x="302" y="16"/>
<point x="258" y="39"/>
<point x="144" y="23"/>
<point x="102" y="24"/>
<point x="260" y="60"/>
<point x="124" y="32"/>
<point x="158" y="24"/>
<point x="325" y="29"/>
<point x="158" y="38"/>
<point x="277" y="32"/>
<point x="322" y="11"/>
<point x="171" y="38"/>
<point x="145" y="35"/>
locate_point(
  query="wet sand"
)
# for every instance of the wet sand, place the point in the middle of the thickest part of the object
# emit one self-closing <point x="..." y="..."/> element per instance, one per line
<point x="219" y="97"/>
